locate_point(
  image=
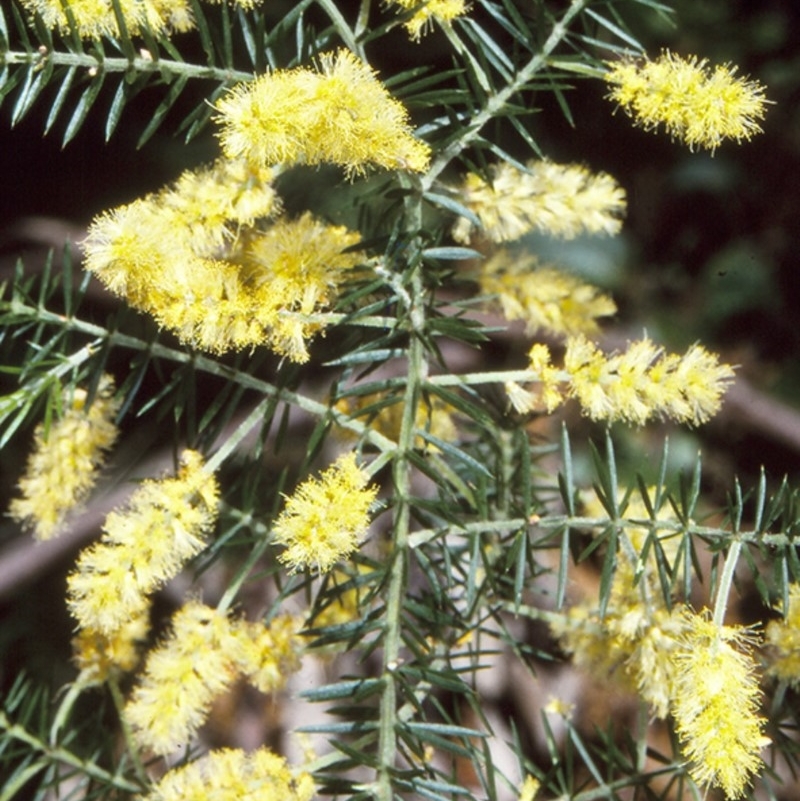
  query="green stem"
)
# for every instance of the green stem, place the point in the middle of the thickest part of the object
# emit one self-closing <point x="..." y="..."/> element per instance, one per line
<point x="120" y="64"/>
<point x="491" y="377"/>
<point x="398" y="575"/>
<point x="496" y="103"/>
<point x="133" y="751"/>
<point x="417" y="374"/>
<point x="204" y="363"/>
<point x="725" y="582"/>
<point x="64" y="757"/>
<point x="342" y="28"/>
<point x="244" y="572"/>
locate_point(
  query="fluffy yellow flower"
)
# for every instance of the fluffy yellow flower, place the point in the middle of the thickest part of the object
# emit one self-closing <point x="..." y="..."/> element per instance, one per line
<point x="233" y="775"/>
<point x="340" y="114"/>
<point x="633" y="643"/>
<point x="193" y="257"/>
<point x="166" y="244"/>
<point x="293" y="269"/>
<point x="643" y="382"/>
<point x="783" y="639"/>
<point x="182" y="677"/>
<point x="95" y="18"/>
<point x="716" y="703"/>
<point x="269" y="654"/>
<point x="99" y="656"/>
<point x="562" y="200"/>
<point x="325" y="519"/>
<point x="545" y="298"/>
<point x="63" y="467"/>
<point x="699" y="106"/>
<point x="422" y="19"/>
<point x="200" y="659"/>
<point x="143" y="546"/>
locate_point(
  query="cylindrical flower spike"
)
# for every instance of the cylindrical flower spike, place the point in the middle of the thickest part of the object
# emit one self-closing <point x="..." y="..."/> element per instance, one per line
<point x="562" y="200"/>
<point x="143" y="546"/>
<point x="63" y="467"/>
<point x="715" y="704"/>
<point x="699" y="106"/>
<point x="233" y="775"/>
<point x="325" y="519"/>
<point x="193" y="257"/>
<point x="544" y="298"/>
<point x="636" y="385"/>
<point x="203" y="655"/>
<point x="95" y="19"/>
<point x="340" y="114"/>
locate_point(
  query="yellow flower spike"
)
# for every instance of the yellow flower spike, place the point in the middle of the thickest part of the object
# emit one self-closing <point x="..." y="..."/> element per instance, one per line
<point x="196" y="663"/>
<point x="325" y="519"/>
<point x="339" y="114"/>
<point x="783" y="639"/>
<point x="99" y="656"/>
<point x="95" y="18"/>
<point x="204" y="653"/>
<point x="232" y="775"/>
<point x="269" y="653"/>
<point x="192" y="256"/>
<point x="562" y="200"/>
<point x="441" y="10"/>
<point x="144" y="545"/>
<point x="696" y="105"/>
<point x="715" y="705"/>
<point x="545" y="298"/>
<point x="63" y="468"/>
<point x="643" y="382"/>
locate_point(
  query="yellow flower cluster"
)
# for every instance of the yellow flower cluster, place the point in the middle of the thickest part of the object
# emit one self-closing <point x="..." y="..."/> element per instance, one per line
<point x="63" y="467"/>
<point x="561" y="200"/>
<point x="94" y="19"/>
<point x="193" y="257"/>
<point x="544" y="298"/>
<point x="425" y="13"/>
<point x="696" y="105"/>
<point x="203" y="655"/>
<point x="634" y="386"/>
<point x="340" y="114"/>
<point x="680" y="662"/>
<point x="233" y="775"/>
<point x="783" y="638"/>
<point x="142" y="547"/>
<point x="325" y="519"/>
<point x="100" y="656"/>
<point x="635" y="640"/>
<point x="715" y="705"/>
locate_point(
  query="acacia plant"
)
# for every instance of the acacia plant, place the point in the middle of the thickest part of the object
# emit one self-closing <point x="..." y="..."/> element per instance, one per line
<point x="357" y="240"/>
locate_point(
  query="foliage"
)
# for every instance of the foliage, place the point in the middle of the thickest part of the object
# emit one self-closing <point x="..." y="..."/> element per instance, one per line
<point x="406" y="566"/>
